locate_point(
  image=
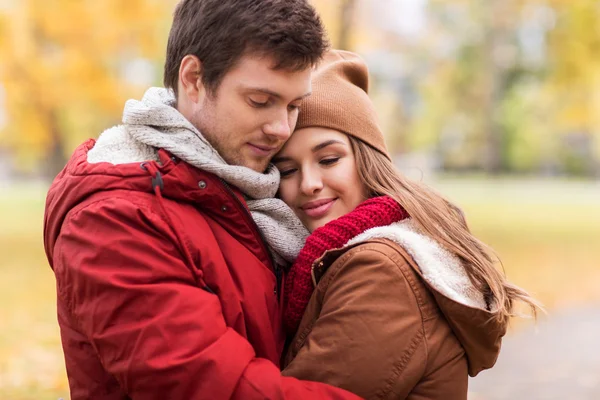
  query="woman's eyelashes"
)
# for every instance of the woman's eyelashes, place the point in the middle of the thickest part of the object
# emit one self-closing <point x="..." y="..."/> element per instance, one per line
<point x="285" y="172"/>
<point x="329" y="161"/>
<point x="288" y="171"/>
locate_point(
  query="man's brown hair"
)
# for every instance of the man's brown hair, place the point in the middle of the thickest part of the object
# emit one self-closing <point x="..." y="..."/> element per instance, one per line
<point x="220" y="32"/>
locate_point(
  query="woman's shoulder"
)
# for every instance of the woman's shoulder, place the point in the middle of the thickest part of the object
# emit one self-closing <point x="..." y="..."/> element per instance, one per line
<point x="381" y="243"/>
<point x="380" y="254"/>
<point x="377" y="248"/>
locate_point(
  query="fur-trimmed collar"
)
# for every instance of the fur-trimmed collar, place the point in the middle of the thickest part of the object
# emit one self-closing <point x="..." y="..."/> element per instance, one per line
<point x="441" y="270"/>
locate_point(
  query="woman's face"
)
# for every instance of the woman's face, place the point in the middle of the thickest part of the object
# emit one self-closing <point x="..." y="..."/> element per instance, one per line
<point x="319" y="178"/>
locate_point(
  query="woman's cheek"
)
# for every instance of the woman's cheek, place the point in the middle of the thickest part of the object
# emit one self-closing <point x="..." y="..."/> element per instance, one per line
<point x="286" y="192"/>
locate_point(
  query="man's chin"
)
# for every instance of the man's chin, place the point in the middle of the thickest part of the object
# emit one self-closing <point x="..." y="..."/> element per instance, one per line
<point x="255" y="164"/>
<point x="259" y="166"/>
<point x="262" y="168"/>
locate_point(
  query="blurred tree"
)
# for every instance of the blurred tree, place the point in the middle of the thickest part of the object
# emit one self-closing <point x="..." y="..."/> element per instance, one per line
<point x="67" y="67"/>
<point x="338" y="18"/>
<point x="475" y="53"/>
<point x="513" y="85"/>
<point x="574" y="81"/>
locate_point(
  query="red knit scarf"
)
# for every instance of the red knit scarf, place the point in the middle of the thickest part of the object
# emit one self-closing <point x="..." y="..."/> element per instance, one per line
<point x="374" y="212"/>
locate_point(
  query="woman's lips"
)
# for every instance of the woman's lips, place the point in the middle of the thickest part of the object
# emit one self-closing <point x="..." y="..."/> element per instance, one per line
<point x="319" y="209"/>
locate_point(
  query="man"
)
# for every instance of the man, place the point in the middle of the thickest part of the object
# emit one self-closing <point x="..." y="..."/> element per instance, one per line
<point x="165" y="287"/>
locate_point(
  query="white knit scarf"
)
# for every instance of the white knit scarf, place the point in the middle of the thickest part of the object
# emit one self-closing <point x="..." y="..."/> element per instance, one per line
<point x="154" y="123"/>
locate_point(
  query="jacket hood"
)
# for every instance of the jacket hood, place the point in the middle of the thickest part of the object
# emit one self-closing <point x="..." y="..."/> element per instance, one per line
<point x="80" y="180"/>
<point x="471" y="318"/>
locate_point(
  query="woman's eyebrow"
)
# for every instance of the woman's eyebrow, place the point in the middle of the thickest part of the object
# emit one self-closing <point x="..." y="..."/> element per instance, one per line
<point x="325" y="144"/>
<point x="316" y="148"/>
<point x="275" y="160"/>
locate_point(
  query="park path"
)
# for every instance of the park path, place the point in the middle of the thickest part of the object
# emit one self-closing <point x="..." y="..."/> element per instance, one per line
<point x="557" y="359"/>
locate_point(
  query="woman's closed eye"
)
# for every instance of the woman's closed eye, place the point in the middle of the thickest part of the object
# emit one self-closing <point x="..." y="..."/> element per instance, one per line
<point x="329" y="161"/>
<point x="285" y="172"/>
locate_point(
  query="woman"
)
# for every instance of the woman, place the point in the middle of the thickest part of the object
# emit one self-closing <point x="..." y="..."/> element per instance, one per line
<point x="392" y="296"/>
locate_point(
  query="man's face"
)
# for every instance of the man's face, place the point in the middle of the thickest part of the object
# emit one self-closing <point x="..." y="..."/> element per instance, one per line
<point x="253" y="112"/>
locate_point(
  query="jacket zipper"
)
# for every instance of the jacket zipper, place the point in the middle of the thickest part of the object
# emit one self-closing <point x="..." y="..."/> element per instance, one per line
<point x="276" y="269"/>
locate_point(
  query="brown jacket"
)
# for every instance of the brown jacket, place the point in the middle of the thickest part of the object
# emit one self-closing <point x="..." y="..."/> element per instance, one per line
<point x="382" y="327"/>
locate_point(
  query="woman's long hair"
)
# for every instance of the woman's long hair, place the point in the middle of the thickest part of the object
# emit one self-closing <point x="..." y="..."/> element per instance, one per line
<point x="445" y="223"/>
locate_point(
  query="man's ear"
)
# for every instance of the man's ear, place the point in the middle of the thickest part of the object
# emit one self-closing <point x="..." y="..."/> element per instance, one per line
<point x="190" y="79"/>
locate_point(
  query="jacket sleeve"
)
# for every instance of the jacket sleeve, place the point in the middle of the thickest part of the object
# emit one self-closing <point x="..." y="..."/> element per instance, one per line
<point x="369" y="336"/>
<point x="153" y="328"/>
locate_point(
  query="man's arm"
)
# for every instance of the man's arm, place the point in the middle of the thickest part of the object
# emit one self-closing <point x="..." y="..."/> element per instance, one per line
<point x="154" y="329"/>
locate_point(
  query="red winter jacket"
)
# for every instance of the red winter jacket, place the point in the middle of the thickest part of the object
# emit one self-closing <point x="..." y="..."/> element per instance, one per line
<point x="165" y="289"/>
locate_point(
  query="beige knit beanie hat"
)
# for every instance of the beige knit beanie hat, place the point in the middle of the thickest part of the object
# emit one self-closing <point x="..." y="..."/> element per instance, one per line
<point x="340" y="99"/>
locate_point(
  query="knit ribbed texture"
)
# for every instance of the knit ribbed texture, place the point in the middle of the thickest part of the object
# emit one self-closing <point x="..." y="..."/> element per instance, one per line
<point x="374" y="212"/>
<point x="340" y="100"/>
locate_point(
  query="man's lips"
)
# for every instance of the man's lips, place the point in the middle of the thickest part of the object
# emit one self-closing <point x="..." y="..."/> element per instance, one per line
<point x="317" y="208"/>
<point x="262" y="149"/>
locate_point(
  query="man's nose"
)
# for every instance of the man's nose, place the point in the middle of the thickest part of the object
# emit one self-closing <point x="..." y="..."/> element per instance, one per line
<point x="279" y="127"/>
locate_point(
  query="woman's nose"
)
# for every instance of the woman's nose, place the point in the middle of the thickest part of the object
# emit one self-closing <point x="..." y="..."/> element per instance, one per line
<point x="311" y="183"/>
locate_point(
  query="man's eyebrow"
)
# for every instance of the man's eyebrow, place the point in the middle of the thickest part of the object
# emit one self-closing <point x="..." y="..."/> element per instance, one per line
<point x="275" y="94"/>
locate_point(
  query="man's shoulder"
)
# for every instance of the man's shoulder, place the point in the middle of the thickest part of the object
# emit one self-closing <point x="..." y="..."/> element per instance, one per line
<point x="119" y="203"/>
<point x="116" y="146"/>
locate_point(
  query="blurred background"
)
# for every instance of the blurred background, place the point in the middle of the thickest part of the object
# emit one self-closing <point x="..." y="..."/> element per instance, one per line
<point x="496" y="103"/>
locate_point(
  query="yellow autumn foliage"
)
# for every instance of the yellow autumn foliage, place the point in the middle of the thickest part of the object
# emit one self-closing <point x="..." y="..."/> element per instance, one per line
<point x="67" y="67"/>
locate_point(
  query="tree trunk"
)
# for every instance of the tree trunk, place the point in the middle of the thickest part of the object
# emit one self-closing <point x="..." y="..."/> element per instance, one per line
<point x="346" y="22"/>
<point x="56" y="159"/>
<point x="494" y="30"/>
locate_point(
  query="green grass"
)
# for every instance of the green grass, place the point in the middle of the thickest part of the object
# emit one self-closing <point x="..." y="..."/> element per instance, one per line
<point x="546" y="233"/>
